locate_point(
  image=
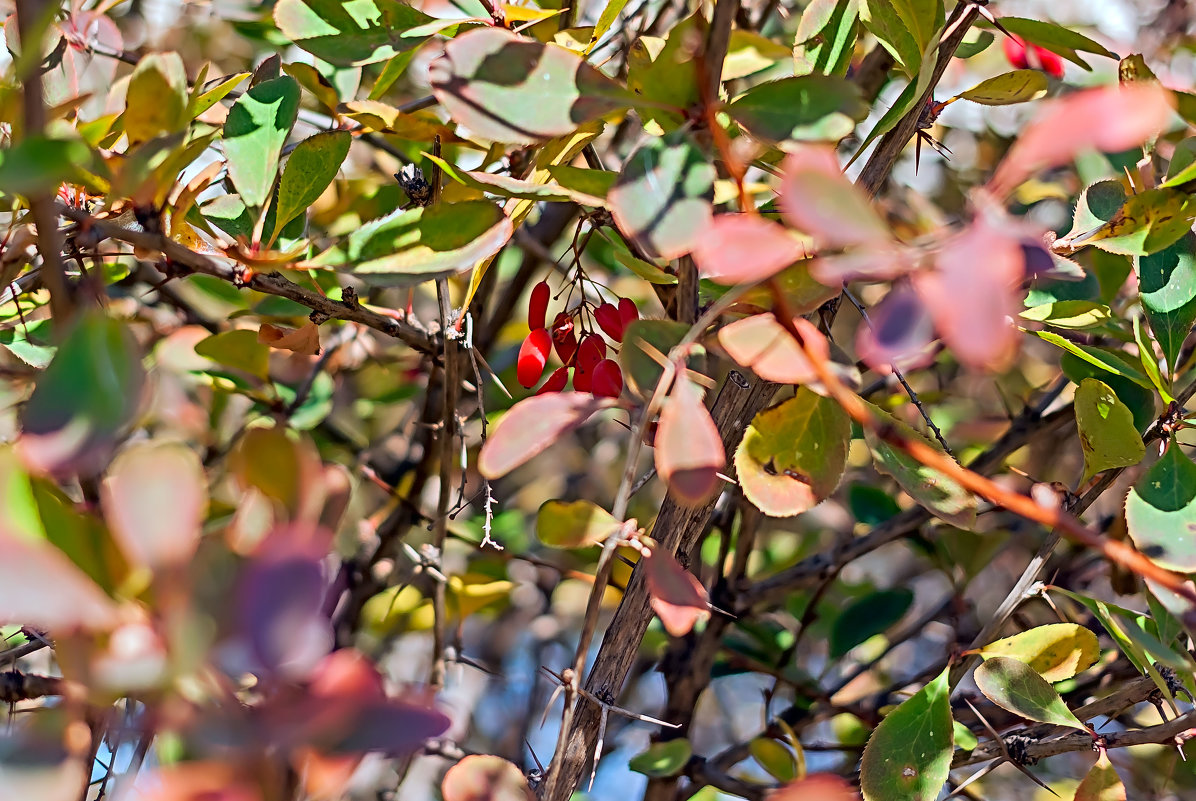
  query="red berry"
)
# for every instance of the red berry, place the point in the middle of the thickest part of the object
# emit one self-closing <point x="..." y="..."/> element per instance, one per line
<point x="592" y="351"/>
<point x="537" y="305"/>
<point x="533" y="355"/>
<point x="583" y="380"/>
<point x="563" y="337"/>
<point x="556" y="382"/>
<point x="1049" y="62"/>
<point x="608" y="379"/>
<point x="1015" y="52"/>
<point x="610" y="321"/>
<point x="628" y="311"/>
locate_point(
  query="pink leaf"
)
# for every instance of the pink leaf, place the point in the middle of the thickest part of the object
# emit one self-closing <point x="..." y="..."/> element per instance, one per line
<point x="818" y="199"/>
<point x="971" y="294"/>
<point x="760" y="343"/>
<point x="40" y="587"/>
<point x="1109" y="119"/>
<point x="485" y="778"/>
<point x="900" y="332"/>
<point x="744" y="249"/>
<point x="689" y="450"/>
<point x="532" y="425"/>
<point x="817" y="787"/>
<point x="155" y="498"/>
<point x="874" y="261"/>
<point x="677" y="597"/>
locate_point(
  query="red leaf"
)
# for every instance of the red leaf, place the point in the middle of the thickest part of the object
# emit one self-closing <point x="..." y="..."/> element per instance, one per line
<point x="485" y="778"/>
<point x="1109" y="119"/>
<point x="532" y="425"/>
<point x="40" y="587"/>
<point x="689" y="451"/>
<point x="817" y="787"/>
<point x="744" y="249"/>
<point x="761" y="344"/>
<point x="818" y="199"/>
<point x="304" y="341"/>
<point x="677" y="597"/>
<point x="155" y="498"/>
<point x="971" y="295"/>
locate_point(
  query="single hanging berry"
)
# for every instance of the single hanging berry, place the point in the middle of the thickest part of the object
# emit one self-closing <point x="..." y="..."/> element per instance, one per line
<point x="583" y="380"/>
<point x="563" y="337"/>
<point x="608" y="379"/>
<point x="533" y="355"/>
<point x="591" y="351"/>
<point x="537" y="306"/>
<point x="610" y="321"/>
<point x="628" y="311"/>
<point x="556" y="382"/>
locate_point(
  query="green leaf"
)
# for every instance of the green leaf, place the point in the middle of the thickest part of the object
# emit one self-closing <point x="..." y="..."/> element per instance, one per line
<point x="1072" y="315"/>
<point x="349" y="34"/>
<point x="1015" y="686"/>
<point x="964" y="739"/>
<point x="935" y="492"/>
<point x="777" y="760"/>
<point x="1106" y="426"/>
<point x="574" y="524"/>
<point x="1098" y="203"/>
<point x="867" y="616"/>
<point x="826" y="37"/>
<point x="793" y="455"/>
<point x="38" y="165"/>
<point x="606" y="19"/>
<point x="1182" y="168"/>
<point x="1019" y="86"/>
<point x="1161" y="513"/>
<point x="906" y="28"/>
<point x="256" y="129"/>
<point x="308" y="172"/>
<point x="238" y="349"/>
<point x="422" y="244"/>
<point x="1167" y="284"/>
<point x="662" y="197"/>
<point x="507" y="88"/>
<point x="156" y="98"/>
<point x="1056" y="651"/>
<point x="1146" y="223"/>
<point x="1057" y="39"/>
<point x="506" y="186"/>
<point x="748" y="53"/>
<point x="90" y="392"/>
<point x="21" y="514"/>
<point x="810" y="108"/>
<point x="974" y="47"/>
<point x="871" y="505"/>
<point x="662" y="759"/>
<point x="663" y="72"/>
<point x="315" y="83"/>
<point x="1101" y="357"/>
<point x="908" y="756"/>
<point x="646" y="270"/>
<point x="908" y="98"/>
<point x="202" y="101"/>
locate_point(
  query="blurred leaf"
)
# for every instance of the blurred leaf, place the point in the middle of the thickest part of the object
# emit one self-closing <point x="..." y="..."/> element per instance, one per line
<point x="155" y="498"/>
<point x="908" y="756"/>
<point x="748" y="53"/>
<point x="933" y="491"/>
<point x="906" y="28"/>
<point x="867" y="616"/>
<point x="356" y="33"/>
<point x="507" y="88"/>
<point x="423" y="243"/>
<point x="610" y="13"/>
<point x="279" y="601"/>
<point x="676" y="595"/>
<point x="663" y="72"/>
<point x="1167" y="283"/>
<point x="1015" y="686"/>
<point x="485" y="778"/>
<point x="662" y="759"/>
<point x="964" y="739"/>
<point x="744" y="249"/>
<point x="285" y="469"/>
<point x="531" y="425"/>
<point x="818" y="199"/>
<point x="86" y="397"/>
<point x="809" y="108"/>
<point x="1018" y="86"/>
<point x="871" y="505"/>
<point x="239" y="349"/>
<point x="1106" y="428"/>
<point x="304" y="341"/>
<point x="640" y="339"/>
<point x="1101" y="783"/>
<point x="21" y="516"/>
<point x="777" y="760"/>
<point x="472" y="592"/>
<point x="308" y="172"/>
<point x="40" y="587"/>
<point x="1056" y="38"/>
<point x="315" y="83"/>
<point x="661" y="199"/>
<point x="688" y="449"/>
<point x="816" y="787"/>
<point x="574" y="524"/>
<point x="1056" y="651"/>
<point x="1161" y="511"/>
<point x="38" y="165"/>
<point x="157" y="97"/>
<point x="793" y="454"/>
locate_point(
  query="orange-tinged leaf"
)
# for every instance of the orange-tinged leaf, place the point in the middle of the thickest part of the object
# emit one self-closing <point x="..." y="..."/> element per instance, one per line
<point x="744" y="249"/>
<point x="1057" y="651"/>
<point x="532" y="425"/>
<point x="760" y="343"/>
<point x="485" y="778"/>
<point x="155" y="498"/>
<point x="677" y="597"/>
<point x="1102" y="782"/>
<point x="689" y="450"/>
<point x="1109" y="119"/>
<point x="305" y="340"/>
<point x="817" y="787"/>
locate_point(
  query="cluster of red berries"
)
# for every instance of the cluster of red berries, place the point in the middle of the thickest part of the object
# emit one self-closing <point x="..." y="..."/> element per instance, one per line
<point x="586" y="356"/>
